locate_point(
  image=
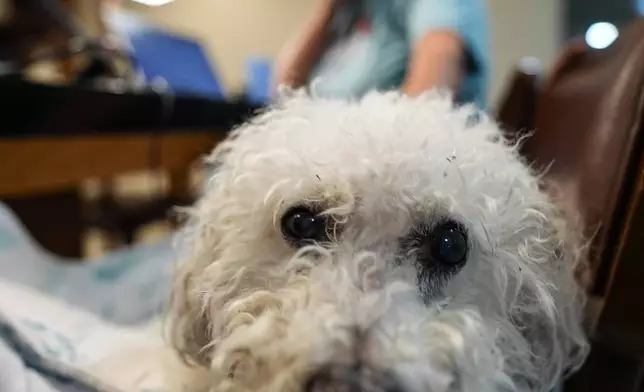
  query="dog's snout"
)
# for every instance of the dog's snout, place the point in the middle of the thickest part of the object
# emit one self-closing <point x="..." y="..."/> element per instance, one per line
<point x="356" y="378"/>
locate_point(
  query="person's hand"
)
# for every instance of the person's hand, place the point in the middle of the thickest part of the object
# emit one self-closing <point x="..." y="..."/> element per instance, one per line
<point x="327" y="7"/>
<point x="330" y="3"/>
<point x="299" y="56"/>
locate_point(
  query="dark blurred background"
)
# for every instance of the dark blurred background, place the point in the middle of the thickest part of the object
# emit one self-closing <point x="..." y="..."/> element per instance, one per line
<point x="580" y="14"/>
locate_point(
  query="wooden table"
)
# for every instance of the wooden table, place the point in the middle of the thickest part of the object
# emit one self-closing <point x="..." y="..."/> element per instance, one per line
<point x="39" y="165"/>
<point x="54" y="137"/>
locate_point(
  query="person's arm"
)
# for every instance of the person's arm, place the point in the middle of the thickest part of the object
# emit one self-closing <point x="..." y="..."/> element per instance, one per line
<point x="436" y="61"/>
<point x="438" y="51"/>
<point x="298" y="58"/>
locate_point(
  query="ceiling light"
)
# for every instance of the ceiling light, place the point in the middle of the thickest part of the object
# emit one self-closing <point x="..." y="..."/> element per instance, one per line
<point x="153" y="3"/>
<point x="601" y="34"/>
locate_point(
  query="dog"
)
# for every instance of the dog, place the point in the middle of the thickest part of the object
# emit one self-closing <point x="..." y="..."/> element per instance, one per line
<point x="386" y="244"/>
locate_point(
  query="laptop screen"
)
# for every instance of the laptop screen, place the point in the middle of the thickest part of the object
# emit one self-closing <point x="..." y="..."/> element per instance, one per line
<point x="180" y="61"/>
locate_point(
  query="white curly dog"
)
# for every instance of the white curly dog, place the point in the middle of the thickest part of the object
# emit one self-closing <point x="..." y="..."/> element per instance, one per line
<point x="389" y="244"/>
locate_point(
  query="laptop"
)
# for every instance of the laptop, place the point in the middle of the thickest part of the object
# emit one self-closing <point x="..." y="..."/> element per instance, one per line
<point x="180" y="61"/>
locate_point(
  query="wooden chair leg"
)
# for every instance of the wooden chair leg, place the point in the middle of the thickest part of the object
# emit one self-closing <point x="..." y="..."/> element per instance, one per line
<point x="606" y="369"/>
<point x="180" y="192"/>
<point x="179" y="185"/>
<point x="54" y="220"/>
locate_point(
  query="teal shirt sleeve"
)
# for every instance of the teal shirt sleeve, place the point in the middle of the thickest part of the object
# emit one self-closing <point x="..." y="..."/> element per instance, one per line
<point x="427" y="15"/>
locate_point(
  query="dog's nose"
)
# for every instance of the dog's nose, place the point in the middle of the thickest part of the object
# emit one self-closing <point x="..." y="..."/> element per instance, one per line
<point x="342" y="378"/>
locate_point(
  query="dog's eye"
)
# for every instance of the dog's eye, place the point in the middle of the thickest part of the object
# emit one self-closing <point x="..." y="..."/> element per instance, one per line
<point x="438" y="252"/>
<point x="448" y="244"/>
<point x="301" y="224"/>
<point x="440" y="248"/>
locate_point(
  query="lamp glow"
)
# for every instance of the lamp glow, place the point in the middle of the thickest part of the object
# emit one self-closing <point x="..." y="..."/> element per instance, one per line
<point x="601" y="35"/>
<point x="153" y="3"/>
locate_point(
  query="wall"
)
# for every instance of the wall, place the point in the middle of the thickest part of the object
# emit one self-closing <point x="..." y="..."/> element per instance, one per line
<point x="523" y="28"/>
<point x="233" y="30"/>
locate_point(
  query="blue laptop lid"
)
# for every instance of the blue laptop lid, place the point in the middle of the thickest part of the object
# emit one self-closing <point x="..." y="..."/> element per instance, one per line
<point x="179" y="60"/>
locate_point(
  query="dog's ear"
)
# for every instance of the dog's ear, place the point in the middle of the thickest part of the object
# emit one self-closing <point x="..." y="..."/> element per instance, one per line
<point x="555" y="327"/>
<point x="189" y="322"/>
<point x="571" y="253"/>
<point x="570" y="230"/>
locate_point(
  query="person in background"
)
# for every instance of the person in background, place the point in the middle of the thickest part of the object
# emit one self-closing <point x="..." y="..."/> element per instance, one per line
<point x="350" y="47"/>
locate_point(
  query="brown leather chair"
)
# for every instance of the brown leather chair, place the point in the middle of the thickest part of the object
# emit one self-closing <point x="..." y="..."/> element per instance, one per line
<point x="589" y="130"/>
<point x="518" y="105"/>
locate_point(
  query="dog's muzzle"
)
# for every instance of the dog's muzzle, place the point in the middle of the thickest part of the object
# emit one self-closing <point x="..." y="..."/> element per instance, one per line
<point x="354" y="378"/>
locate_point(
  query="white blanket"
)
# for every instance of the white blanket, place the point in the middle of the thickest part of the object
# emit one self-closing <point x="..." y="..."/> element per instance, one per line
<point x="49" y="345"/>
<point x="126" y="287"/>
<point x="67" y="326"/>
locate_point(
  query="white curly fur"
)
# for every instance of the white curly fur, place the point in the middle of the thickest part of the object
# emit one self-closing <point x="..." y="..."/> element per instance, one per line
<point x="253" y="313"/>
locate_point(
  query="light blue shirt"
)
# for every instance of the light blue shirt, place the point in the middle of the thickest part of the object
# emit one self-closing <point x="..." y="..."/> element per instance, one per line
<point x="377" y="59"/>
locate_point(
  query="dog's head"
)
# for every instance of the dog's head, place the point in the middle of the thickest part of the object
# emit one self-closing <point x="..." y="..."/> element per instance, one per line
<point x="390" y="244"/>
